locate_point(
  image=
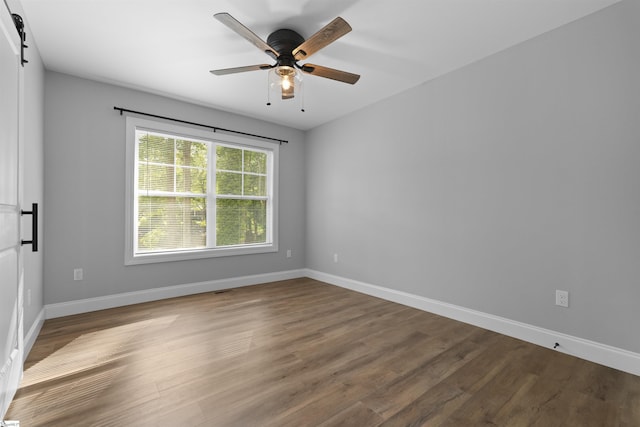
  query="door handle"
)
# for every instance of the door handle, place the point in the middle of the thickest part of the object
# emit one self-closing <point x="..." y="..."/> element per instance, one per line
<point x="34" y="227"/>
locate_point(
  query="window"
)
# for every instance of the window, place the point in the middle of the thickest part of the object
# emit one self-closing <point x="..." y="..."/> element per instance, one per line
<point x="195" y="194"/>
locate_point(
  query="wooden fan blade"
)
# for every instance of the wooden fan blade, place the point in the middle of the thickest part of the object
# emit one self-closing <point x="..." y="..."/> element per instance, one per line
<point x="234" y="70"/>
<point x="236" y="26"/>
<point x="330" y="73"/>
<point x="330" y="33"/>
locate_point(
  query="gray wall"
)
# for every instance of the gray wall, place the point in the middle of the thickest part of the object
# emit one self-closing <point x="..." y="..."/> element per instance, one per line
<point x="85" y="184"/>
<point x="495" y="185"/>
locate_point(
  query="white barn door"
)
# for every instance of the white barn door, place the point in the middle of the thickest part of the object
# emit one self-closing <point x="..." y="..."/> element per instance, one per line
<point x="10" y="198"/>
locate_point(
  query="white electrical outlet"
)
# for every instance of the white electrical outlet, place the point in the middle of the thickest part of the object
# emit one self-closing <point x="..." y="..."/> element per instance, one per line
<point x="78" y="274"/>
<point x="562" y="298"/>
<point x="335" y="258"/>
<point x="288" y="253"/>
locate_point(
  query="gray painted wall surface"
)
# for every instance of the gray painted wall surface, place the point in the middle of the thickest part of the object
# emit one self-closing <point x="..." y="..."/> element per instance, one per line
<point x="493" y="186"/>
<point x="85" y="185"/>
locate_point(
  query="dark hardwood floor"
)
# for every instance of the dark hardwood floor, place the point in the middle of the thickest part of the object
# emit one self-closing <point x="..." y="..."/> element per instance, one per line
<point x="304" y="353"/>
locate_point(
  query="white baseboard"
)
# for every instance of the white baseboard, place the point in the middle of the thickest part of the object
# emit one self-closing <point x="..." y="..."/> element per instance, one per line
<point x="128" y="298"/>
<point x="603" y="354"/>
<point x="32" y="334"/>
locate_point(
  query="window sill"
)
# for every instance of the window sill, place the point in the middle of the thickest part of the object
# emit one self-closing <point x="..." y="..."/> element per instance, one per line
<point x="169" y="256"/>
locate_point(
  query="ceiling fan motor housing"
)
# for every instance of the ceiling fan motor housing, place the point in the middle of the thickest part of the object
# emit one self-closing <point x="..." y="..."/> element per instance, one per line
<point x="284" y="41"/>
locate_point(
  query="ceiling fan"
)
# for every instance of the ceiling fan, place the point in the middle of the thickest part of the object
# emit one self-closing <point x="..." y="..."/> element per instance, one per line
<point x="287" y="47"/>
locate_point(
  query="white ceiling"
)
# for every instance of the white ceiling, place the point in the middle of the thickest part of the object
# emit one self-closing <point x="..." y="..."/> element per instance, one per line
<point x="169" y="46"/>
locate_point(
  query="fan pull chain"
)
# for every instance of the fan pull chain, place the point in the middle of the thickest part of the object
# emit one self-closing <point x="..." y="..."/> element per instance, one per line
<point x="302" y="97"/>
<point x="268" y="91"/>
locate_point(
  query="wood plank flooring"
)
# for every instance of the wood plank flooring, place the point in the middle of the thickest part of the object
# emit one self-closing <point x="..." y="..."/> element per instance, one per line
<point x="304" y="353"/>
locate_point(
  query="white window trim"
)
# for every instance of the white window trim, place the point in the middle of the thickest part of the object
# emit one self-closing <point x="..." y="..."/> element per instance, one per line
<point x="130" y="257"/>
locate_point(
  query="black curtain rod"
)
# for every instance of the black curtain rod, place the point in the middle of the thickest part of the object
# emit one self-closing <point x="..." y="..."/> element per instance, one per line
<point x="215" y="128"/>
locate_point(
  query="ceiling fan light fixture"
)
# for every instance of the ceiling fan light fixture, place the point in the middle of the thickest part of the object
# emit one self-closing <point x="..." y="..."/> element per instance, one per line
<point x="285" y="80"/>
<point x="285" y="71"/>
<point x="288" y="47"/>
